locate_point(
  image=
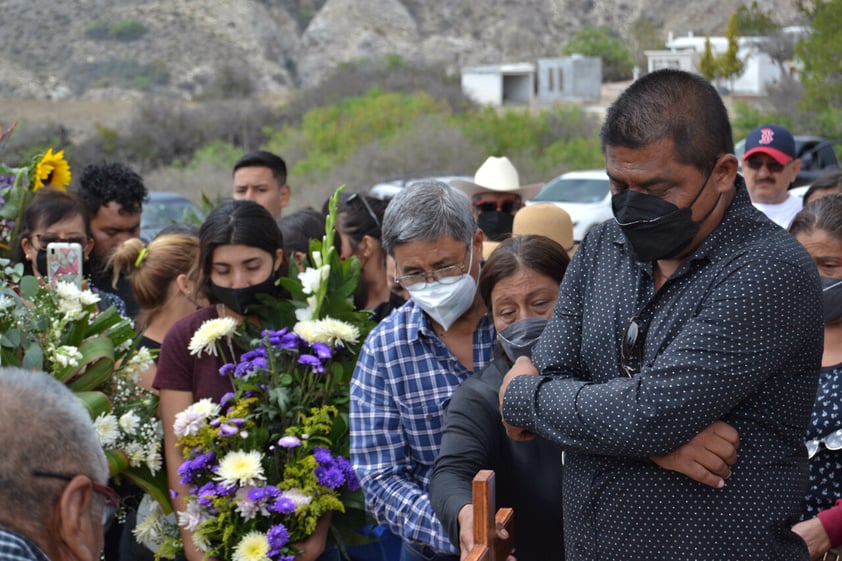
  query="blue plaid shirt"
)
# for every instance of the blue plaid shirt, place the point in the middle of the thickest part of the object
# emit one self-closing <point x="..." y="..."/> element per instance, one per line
<point x="402" y="383"/>
<point x="14" y="547"/>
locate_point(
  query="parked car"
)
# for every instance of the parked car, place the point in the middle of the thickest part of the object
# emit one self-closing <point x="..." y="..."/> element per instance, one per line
<point x="816" y="153"/>
<point x="388" y="189"/>
<point x="164" y="208"/>
<point x="583" y="194"/>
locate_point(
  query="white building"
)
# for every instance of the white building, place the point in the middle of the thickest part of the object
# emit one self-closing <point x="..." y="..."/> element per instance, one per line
<point x="684" y="53"/>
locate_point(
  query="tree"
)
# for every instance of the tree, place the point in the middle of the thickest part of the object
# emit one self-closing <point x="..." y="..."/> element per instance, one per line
<point x="708" y="66"/>
<point x="821" y="74"/>
<point x="754" y="20"/>
<point x="730" y="64"/>
<point x="644" y="35"/>
<point x="598" y="41"/>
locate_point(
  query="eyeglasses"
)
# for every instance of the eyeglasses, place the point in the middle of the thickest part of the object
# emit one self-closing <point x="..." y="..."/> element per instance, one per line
<point x="361" y="198"/>
<point x="631" y="349"/>
<point x="771" y="165"/>
<point x="112" y="499"/>
<point x="44" y="240"/>
<point x="445" y="275"/>
<point x="507" y="205"/>
<point x="833" y="441"/>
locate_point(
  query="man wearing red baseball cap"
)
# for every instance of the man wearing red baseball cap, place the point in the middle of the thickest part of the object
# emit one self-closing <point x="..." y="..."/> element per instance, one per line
<point x="769" y="168"/>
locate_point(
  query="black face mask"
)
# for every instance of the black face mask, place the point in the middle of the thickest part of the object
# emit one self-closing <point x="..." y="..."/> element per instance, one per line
<point x="831" y="299"/>
<point x="655" y="228"/>
<point x="519" y="338"/>
<point x="238" y="300"/>
<point x="41" y="262"/>
<point x="496" y="225"/>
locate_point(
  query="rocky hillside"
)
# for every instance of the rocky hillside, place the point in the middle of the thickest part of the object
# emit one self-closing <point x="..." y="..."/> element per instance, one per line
<point x="189" y="49"/>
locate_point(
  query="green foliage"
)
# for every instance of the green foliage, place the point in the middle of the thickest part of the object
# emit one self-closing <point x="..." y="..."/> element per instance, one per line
<point x="708" y="66"/>
<point x="216" y="152"/>
<point x="730" y="65"/>
<point x="746" y="116"/>
<point x="120" y="73"/>
<point x="329" y="135"/>
<point x="599" y="41"/>
<point x="819" y="53"/>
<point x="754" y="20"/>
<point x="124" y="30"/>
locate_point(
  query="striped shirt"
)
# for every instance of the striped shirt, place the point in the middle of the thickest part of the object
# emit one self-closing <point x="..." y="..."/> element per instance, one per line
<point x="14" y="547"/>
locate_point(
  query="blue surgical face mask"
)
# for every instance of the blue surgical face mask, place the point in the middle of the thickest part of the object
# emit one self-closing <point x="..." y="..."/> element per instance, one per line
<point x="519" y="338"/>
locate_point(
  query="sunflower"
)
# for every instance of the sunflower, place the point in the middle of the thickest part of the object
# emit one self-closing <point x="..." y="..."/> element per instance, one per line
<point x="52" y="170"/>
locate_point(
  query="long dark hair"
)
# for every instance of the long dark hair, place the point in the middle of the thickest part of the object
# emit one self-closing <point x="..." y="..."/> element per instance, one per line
<point x="238" y="223"/>
<point x="539" y="253"/>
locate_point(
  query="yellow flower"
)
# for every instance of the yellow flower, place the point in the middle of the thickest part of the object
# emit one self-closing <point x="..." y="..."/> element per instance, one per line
<point x="52" y="170"/>
<point x="253" y="547"/>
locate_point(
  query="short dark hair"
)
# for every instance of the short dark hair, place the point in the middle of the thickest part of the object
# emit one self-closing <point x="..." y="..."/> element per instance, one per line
<point x="264" y="159"/>
<point x="47" y="207"/>
<point x="539" y="253"/>
<point x="675" y="105"/>
<point x="299" y="228"/>
<point x="238" y="223"/>
<point x="826" y="181"/>
<point x="824" y="214"/>
<point x="103" y="183"/>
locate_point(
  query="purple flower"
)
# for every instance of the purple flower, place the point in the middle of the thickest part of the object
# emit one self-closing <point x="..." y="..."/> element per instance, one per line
<point x="206" y="494"/>
<point x="348" y="470"/>
<point x="322" y="350"/>
<point x="278" y="537"/>
<point x="227" y="430"/>
<point x="311" y="361"/>
<point x="227" y="398"/>
<point x="289" y="441"/>
<point x="283" y="505"/>
<point x="323" y="456"/>
<point x="173" y="494"/>
<point x="258" y="494"/>
<point x="288" y="341"/>
<point x="330" y="477"/>
<point x="226" y="369"/>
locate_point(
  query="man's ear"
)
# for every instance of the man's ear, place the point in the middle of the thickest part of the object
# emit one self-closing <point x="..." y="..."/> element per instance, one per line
<point x="286" y="193"/>
<point x="725" y="172"/>
<point x="77" y="525"/>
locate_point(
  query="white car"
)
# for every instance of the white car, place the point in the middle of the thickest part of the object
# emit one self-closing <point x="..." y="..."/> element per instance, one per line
<point x="583" y="194"/>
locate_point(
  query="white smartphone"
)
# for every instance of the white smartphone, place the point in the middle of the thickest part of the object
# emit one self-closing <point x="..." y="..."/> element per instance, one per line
<point x="64" y="263"/>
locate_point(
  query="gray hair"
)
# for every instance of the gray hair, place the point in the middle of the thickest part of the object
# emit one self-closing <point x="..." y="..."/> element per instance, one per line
<point x="43" y="426"/>
<point x="426" y="211"/>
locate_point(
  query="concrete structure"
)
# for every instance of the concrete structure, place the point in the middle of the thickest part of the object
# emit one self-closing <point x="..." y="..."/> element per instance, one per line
<point x="548" y="80"/>
<point x="572" y="77"/>
<point x="684" y="53"/>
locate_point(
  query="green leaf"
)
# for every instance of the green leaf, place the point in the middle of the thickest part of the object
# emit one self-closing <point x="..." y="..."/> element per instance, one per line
<point x="11" y="338"/>
<point x="33" y="358"/>
<point x="28" y="287"/>
<point x="155" y="485"/>
<point x="97" y="363"/>
<point x="97" y="403"/>
<point x="118" y="462"/>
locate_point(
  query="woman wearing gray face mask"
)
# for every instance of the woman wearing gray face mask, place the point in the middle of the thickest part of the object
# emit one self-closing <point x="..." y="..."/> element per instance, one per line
<point x="818" y="226"/>
<point x="519" y="284"/>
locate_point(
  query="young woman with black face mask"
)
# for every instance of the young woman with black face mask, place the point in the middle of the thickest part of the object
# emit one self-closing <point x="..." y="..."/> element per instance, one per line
<point x="240" y="257"/>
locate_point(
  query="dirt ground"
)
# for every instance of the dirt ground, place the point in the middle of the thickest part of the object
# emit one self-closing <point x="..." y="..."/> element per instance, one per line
<point x="78" y="116"/>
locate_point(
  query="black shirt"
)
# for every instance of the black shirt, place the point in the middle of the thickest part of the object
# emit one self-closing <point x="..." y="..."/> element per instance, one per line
<point x="735" y="334"/>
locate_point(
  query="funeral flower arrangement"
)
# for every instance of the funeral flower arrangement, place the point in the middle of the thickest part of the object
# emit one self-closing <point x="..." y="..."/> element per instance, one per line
<point x="266" y="464"/>
<point x="63" y="332"/>
<point x="18" y="183"/>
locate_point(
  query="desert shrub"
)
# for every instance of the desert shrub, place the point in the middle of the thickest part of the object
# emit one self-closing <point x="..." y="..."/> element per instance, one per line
<point x="119" y="73"/>
<point x="231" y="81"/>
<point x="124" y="30"/>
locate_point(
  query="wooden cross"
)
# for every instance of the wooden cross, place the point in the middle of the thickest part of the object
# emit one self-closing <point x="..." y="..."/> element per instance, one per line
<point x="486" y="545"/>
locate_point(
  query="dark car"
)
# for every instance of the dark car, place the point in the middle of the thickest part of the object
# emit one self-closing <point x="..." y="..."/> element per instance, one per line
<point x="817" y="155"/>
<point x="165" y="208"/>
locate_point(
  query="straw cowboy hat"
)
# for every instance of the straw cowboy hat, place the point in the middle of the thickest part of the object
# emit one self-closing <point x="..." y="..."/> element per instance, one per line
<point x="495" y="174"/>
<point x="542" y="219"/>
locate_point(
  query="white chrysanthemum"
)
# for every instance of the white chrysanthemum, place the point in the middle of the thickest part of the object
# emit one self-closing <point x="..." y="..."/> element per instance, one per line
<point x="67" y="291"/>
<point x="211" y="331"/>
<point x="241" y="468"/>
<point x="307" y="330"/>
<point x="189" y="519"/>
<point x="135" y="452"/>
<point x="154" y="461"/>
<point x="148" y="529"/>
<point x="107" y="430"/>
<point x="191" y="419"/>
<point x="88" y="297"/>
<point x="129" y="422"/>
<point x="328" y="330"/>
<point x="253" y="547"/>
<point x="67" y="355"/>
<point x="201" y="543"/>
<point x="310" y="280"/>
<point x="6" y="302"/>
<point x="298" y="497"/>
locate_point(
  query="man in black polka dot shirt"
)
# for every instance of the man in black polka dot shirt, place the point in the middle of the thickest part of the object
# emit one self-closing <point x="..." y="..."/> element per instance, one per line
<point x="689" y="308"/>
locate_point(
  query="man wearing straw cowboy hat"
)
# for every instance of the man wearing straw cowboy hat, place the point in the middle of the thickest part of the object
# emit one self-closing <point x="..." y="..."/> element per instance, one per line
<point x="495" y="196"/>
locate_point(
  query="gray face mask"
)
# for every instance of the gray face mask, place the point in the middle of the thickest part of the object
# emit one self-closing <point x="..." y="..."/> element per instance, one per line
<point x="831" y="299"/>
<point x="518" y="339"/>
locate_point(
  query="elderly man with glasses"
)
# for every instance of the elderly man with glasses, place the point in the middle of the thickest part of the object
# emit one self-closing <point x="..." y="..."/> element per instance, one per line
<point x="54" y="504"/>
<point x="770" y="168"/>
